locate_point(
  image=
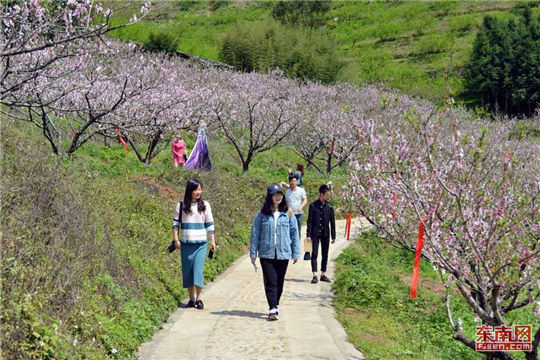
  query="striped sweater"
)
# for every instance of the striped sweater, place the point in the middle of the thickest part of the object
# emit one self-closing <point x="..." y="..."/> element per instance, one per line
<point x="196" y="225"/>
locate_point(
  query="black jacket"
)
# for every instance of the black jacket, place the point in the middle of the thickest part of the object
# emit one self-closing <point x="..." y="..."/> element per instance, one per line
<point x="314" y="228"/>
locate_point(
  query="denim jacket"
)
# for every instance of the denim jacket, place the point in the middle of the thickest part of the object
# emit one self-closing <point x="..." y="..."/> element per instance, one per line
<point x="264" y="243"/>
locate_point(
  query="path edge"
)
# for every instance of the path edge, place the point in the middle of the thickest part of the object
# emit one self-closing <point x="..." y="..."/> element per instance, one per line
<point x="145" y="349"/>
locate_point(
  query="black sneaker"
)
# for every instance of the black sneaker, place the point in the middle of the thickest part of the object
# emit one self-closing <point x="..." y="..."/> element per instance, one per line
<point x="314" y="280"/>
<point x="190" y="304"/>
<point x="199" y="305"/>
<point x="325" y="279"/>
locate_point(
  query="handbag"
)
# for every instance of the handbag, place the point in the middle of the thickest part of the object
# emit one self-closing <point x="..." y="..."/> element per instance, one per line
<point x="308" y="245"/>
<point x="171" y="247"/>
<point x="308" y="248"/>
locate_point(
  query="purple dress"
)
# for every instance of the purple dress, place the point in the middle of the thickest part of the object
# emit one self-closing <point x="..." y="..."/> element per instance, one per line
<point x="200" y="156"/>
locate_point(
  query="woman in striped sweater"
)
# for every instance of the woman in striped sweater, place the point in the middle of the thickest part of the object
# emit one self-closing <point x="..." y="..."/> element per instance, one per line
<point x="197" y="224"/>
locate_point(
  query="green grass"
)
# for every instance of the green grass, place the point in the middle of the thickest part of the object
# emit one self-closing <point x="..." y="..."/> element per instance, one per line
<point x="117" y="216"/>
<point x="107" y="217"/>
<point x="418" y="47"/>
<point x="199" y="30"/>
<point x="412" y="46"/>
<point x="372" y="289"/>
<point x="128" y="282"/>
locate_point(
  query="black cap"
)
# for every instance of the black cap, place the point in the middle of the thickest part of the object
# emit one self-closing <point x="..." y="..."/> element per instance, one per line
<point x="274" y="188"/>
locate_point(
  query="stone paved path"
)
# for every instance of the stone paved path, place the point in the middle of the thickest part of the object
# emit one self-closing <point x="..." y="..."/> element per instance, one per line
<point x="233" y="324"/>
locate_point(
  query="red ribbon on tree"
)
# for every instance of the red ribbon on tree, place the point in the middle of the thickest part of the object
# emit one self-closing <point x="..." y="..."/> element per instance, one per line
<point x="394" y="201"/>
<point x="417" y="257"/>
<point x="348" y="227"/>
<point x="506" y="159"/>
<point x="117" y="128"/>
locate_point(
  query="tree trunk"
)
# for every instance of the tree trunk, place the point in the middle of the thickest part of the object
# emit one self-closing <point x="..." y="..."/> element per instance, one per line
<point x="245" y="163"/>
<point x="151" y="147"/>
<point x="329" y="164"/>
<point x="493" y="357"/>
<point x="54" y="147"/>
<point x="48" y="133"/>
<point x="312" y="164"/>
<point x="498" y="355"/>
<point x="74" y="145"/>
<point x="134" y="147"/>
<point x="533" y="355"/>
<point x="245" y="166"/>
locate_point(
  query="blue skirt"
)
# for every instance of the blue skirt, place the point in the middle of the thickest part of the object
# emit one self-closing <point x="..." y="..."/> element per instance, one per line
<point x="193" y="258"/>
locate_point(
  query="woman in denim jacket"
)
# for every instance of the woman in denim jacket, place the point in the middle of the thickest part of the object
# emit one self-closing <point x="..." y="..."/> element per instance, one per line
<point x="275" y="240"/>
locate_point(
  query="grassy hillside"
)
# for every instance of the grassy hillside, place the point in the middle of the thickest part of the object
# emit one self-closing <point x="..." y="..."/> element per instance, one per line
<point x="419" y="47"/>
<point x="413" y="45"/>
<point x="84" y="267"/>
<point x="372" y="289"/>
<point x="85" y="273"/>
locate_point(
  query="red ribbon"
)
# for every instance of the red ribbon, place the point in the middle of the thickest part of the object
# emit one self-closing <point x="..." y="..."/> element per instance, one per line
<point x="394" y="201"/>
<point x="417" y="257"/>
<point x="506" y="158"/>
<point x="348" y="227"/>
<point x="117" y="128"/>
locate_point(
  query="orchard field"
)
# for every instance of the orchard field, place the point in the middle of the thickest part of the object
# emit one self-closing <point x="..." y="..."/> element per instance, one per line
<point x="85" y="223"/>
<point x="418" y="47"/>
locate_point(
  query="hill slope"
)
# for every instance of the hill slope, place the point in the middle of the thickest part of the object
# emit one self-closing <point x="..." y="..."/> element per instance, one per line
<point x="83" y="261"/>
<point x="413" y="46"/>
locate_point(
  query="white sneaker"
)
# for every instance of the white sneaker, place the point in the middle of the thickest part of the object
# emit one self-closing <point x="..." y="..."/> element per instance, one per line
<point x="273" y="315"/>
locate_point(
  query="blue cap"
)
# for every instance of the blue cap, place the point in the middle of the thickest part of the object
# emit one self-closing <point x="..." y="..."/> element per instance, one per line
<point x="274" y="188"/>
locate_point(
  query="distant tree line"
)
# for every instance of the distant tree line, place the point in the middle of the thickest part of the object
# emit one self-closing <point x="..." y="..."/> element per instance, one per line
<point x="504" y="70"/>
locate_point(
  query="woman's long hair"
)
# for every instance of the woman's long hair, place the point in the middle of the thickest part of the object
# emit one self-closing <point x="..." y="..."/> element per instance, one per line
<point x="300" y="167"/>
<point x="191" y="186"/>
<point x="267" y="205"/>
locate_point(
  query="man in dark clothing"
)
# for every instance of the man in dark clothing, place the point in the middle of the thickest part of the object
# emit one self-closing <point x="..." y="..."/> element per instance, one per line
<point x="320" y="225"/>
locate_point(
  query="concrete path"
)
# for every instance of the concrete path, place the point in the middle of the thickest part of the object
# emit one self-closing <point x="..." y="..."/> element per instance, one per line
<point x="233" y="323"/>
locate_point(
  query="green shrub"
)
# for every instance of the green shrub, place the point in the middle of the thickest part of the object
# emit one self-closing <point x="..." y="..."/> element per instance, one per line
<point x="213" y="5"/>
<point x="525" y="129"/>
<point x="266" y="46"/>
<point x="186" y="5"/>
<point x="161" y="42"/>
<point x="300" y="12"/>
<point x="431" y="44"/>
